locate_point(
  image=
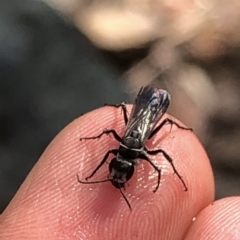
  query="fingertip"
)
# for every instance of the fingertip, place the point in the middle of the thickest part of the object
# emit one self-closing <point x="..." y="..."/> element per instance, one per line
<point x="219" y="220"/>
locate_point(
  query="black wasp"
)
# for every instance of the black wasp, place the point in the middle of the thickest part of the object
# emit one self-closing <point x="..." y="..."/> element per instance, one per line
<point x="149" y="107"/>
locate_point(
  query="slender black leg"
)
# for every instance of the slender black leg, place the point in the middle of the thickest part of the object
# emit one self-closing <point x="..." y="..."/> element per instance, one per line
<point x="124" y="109"/>
<point x="168" y="121"/>
<point x="113" y="151"/>
<point x="125" y="198"/>
<point x="144" y="157"/>
<point x="99" y="181"/>
<point x="169" y="159"/>
<point x="106" y="131"/>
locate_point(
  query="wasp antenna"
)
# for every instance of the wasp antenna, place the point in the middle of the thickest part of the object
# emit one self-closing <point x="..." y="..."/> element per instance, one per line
<point x="125" y="198"/>
<point x="86" y="182"/>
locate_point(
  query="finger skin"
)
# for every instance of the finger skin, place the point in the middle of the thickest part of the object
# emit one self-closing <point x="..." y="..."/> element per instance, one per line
<point x="51" y="204"/>
<point x="220" y="220"/>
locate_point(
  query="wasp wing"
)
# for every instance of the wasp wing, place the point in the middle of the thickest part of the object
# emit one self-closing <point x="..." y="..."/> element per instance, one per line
<point x="149" y="106"/>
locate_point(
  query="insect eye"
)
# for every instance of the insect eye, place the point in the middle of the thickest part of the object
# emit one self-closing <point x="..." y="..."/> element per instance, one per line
<point x="121" y="168"/>
<point x="129" y="172"/>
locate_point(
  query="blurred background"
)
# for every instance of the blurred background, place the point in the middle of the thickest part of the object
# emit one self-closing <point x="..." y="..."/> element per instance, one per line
<point x="62" y="58"/>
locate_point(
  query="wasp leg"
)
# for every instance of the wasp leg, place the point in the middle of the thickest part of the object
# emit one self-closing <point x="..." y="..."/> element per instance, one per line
<point x="168" y="121"/>
<point x="124" y="109"/>
<point x="169" y="159"/>
<point x="144" y="157"/>
<point x="106" y="131"/>
<point x="113" y="151"/>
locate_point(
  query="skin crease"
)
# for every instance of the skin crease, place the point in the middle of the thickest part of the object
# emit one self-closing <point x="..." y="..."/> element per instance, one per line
<point x="51" y="204"/>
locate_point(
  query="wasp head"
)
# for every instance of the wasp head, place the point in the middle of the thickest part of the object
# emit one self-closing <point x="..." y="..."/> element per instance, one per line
<point x="120" y="171"/>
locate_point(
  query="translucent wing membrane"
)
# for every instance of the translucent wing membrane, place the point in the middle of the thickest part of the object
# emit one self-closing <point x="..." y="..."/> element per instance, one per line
<point x="149" y="106"/>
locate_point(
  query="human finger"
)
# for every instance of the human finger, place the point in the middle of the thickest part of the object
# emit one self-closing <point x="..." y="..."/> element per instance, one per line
<point x="220" y="220"/>
<point x="52" y="200"/>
